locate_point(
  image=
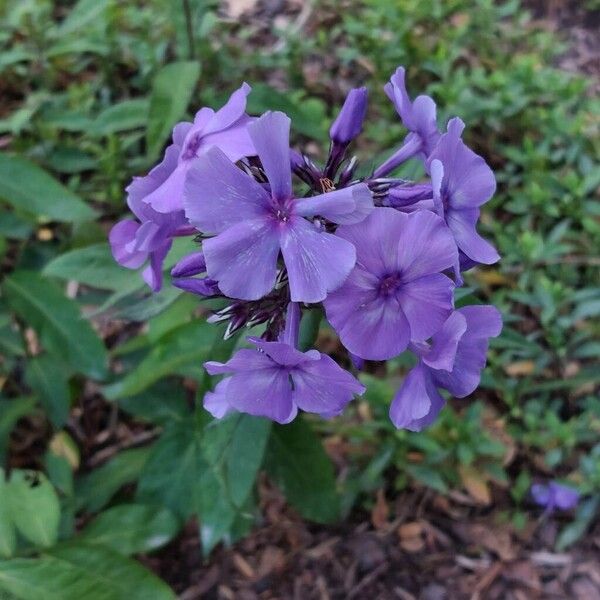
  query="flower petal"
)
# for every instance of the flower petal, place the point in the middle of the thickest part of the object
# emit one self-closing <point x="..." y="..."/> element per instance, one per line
<point x="462" y="223"/>
<point x="235" y="142"/>
<point x="427" y="302"/>
<point x="243" y="259"/>
<point x="417" y="403"/>
<point x="425" y="246"/>
<point x="316" y="262"/>
<point x="217" y="194"/>
<point x="152" y="274"/>
<point x="216" y="403"/>
<point x="370" y="326"/>
<point x="271" y="136"/>
<point x="243" y="360"/>
<point x="376" y="239"/>
<point x="323" y="387"/>
<point x="284" y="354"/>
<point x="263" y="393"/>
<point x="121" y="236"/>
<point x="345" y="206"/>
<point x="444" y="343"/>
<point x="230" y="112"/>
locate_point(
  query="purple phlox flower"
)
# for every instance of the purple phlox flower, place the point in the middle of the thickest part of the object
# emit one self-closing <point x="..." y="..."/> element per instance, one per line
<point x="462" y="182"/>
<point x="253" y="225"/>
<point x="555" y="495"/>
<point x="226" y="129"/>
<point x="184" y="276"/>
<point x="453" y="361"/>
<point x="419" y="117"/>
<point x="133" y="243"/>
<point x="396" y="292"/>
<point x="275" y="380"/>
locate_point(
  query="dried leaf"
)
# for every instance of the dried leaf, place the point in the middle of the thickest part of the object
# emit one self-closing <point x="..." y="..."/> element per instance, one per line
<point x="476" y="485"/>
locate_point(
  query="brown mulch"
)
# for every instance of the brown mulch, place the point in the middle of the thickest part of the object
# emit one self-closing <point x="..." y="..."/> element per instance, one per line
<point x="425" y="548"/>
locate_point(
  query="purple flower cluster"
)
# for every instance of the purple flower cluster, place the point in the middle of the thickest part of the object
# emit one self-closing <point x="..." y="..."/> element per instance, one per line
<point x="280" y="235"/>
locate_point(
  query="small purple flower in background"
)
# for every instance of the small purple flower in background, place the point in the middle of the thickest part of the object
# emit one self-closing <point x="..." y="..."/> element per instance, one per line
<point x="225" y="129"/>
<point x="462" y="182"/>
<point x="396" y="293"/>
<point x="373" y="252"/>
<point x="453" y="361"/>
<point x="419" y="117"/>
<point x="253" y="224"/>
<point x="555" y="495"/>
<point x="276" y="380"/>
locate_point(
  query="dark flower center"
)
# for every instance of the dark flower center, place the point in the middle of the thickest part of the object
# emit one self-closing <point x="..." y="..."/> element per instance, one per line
<point x="389" y="284"/>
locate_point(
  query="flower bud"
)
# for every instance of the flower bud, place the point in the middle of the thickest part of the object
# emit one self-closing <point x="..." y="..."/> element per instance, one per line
<point x="350" y="119"/>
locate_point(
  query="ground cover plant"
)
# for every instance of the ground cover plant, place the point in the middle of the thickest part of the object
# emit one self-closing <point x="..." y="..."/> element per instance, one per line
<point x="107" y="452"/>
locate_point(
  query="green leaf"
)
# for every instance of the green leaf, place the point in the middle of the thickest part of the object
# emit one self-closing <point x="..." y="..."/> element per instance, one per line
<point x="162" y="404"/>
<point x="94" y="490"/>
<point x="172" y="90"/>
<point x="122" y="116"/>
<point x="169" y="475"/>
<point x="132" y="528"/>
<point x="307" y="114"/>
<point x="28" y="187"/>
<point x="10" y="412"/>
<point x="77" y="572"/>
<point x="85" y="12"/>
<point x="57" y="321"/>
<point x="303" y="471"/>
<point x="246" y="452"/>
<point x="583" y="518"/>
<point x="185" y="346"/>
<point x="34" y="506"/>
<point x="8" y="539"/>
<point x="93" y="265"/>
<point x="47" y="376"/>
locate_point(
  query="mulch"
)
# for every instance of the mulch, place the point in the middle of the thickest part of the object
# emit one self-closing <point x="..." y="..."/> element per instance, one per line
<point x="425" y="547"/>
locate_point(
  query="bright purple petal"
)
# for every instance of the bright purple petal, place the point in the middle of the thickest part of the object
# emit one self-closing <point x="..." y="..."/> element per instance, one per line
<point x="376" y="239"/>
<point x="153" y="273"/>
<point x="271" y="136"/>
<point x="243" y="259"/>
<point x="121" y="237"/>
<point x="316" y="262"/>
<point x="323" y="387"/>
<point x="201" y="287"/>
<point x="230" y="112"/>
<point x="243" y="360"/>
<point x="462" y="223"/>
<point x="345" y="206"/>
<point x="192" y="264"/>
<point x="218" y="195"/>
<point x="565" y="497"/>
<point x="263" y="393"/>
<point x="425" y="246"/>
<point x="284" y="354"/>
<point x="216" y="403"/>
<point x="483" y="321"/>
<point x="234" y="142"/>
<point x="370" y="326"/>
<point x="444" y="343"/>
<point x="417" y="403"/>
<point x="427" y="302"/>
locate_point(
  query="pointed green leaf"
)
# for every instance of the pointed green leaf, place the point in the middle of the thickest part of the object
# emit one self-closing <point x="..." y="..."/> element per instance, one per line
<point x="47" y="376"/>
<point x="78" y="572"/>
<point x="57" y="321"/>
<point x="303" y="471"/>
<point x="28" y="187"/>
<point x="8" y="539"/>
<point x="132" y="528"/>
<point x="34" y="506"/>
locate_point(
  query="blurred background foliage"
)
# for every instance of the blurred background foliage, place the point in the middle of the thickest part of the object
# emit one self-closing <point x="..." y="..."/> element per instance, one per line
<point x="99" y="423"/>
